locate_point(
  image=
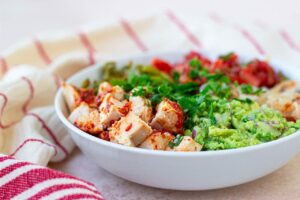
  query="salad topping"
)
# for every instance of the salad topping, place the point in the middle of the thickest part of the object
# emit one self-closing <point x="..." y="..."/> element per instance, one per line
<point x="198" y="104"/>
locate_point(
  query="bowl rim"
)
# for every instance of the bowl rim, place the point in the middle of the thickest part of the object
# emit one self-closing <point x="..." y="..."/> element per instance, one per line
<point x="69" y="125"/>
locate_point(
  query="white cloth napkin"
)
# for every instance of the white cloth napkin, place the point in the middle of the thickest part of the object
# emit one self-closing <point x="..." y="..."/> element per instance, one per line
<point x="31" y="70"/>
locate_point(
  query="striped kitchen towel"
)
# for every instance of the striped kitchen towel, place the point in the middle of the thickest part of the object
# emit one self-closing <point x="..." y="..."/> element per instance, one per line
<point x="31" y="74"/>
<point x="23" y="180"/>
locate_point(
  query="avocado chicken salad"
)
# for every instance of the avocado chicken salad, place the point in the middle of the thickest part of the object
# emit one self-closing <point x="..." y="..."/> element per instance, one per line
<point x="198" y="104"/>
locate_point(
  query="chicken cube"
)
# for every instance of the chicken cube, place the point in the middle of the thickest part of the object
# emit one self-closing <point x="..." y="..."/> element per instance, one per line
<point x="157" y="141"/>
<point x="118" y="93"/>
<point x="129" y="130"/>
<point x="71" y="95"/>
<point x="187" y="144"/>
<point x="169" y="117"/>
<point x="284" y="98"/>
<point x="141" y="107"/>
<point x="87" y="119"/>
<point x="105" y="88"/>
<point x="111" y="110"/>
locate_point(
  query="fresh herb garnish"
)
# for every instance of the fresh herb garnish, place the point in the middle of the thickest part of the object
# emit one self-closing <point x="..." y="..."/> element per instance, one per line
<point x="226" y="57"/>
<point x="85" y="83"/>
<point x="176" y="76"/>
<point x="177" y="140"/>
<point x="248" y="89"/>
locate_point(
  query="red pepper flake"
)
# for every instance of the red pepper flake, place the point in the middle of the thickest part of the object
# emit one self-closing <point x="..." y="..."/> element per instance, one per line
<point x="128" y="127"/>
<point x="125" y="109"/>
<point x="180" y="116"/>
<point x="87" y="95"/>
<point x="104" y="136"/>
<point x="112" y="122"/>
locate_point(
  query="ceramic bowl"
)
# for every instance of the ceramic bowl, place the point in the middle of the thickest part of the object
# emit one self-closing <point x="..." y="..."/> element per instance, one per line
<point x="180" y="170"/>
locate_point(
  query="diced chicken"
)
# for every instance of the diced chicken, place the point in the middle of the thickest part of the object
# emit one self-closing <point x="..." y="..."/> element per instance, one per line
<point x="157" y="141"/>
<point x="169" y="117"/>
<point x="71" y="95"/>
<point x="129" y="130"/>
<point x="187" y="144"/>
<point x="111" y="110"/>
<point x="105" y="88"/>
<point x="141" y="107"/>
<point x="284" y="98"/>
<point x="87" y="119"/>
<point x="82" y="109"/>
<point x="118" y="93"/>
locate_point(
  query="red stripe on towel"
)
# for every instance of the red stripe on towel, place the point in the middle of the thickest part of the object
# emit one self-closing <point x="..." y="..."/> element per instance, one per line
<point x="81" y="196"/>
<point x="216" y="18"/>
<point x="247" y="35"/>
<point x="29" y="179"/>
<point x="133" y="35"/>
<point x="24" y="107"/>
<point x="4" y="65"/>
<point x="50" y="132"/>
<point x="32" y="140"/>
<point x="57" y="81"/>
<point x="2" y="110"/>
<point x="288" y="39"/>
<point x="4" y="158"/>
<point x="31" y="94"/>
<point x="11" y="168"/>
<point x="89" y="47"/>
<point x="54" y="188"/>
<point x="252" y="40"/>
<point x="41" y="51"/>
<point x="193" y="39"/>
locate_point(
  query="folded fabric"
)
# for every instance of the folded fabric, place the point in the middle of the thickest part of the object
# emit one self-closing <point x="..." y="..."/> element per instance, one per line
<point x="31" y="74"/>
<point x="23" y="180"/>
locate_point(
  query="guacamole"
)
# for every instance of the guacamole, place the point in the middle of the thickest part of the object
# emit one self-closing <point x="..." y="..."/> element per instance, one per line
<point x="239" y="124"/>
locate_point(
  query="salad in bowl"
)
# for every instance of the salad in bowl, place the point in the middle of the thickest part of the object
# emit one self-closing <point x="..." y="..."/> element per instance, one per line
<point x="198" y="104"/>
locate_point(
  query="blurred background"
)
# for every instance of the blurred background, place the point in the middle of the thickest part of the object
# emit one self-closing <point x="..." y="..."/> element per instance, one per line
<point x="24" y="19"/>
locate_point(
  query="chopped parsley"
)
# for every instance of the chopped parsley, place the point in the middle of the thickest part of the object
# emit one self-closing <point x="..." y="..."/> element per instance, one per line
<point x="248" y="89"/>
<point x="177" y="140"/>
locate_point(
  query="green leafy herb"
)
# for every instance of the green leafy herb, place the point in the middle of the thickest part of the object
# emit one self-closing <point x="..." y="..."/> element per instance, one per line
<point x="177" y="140"/>
<point x="195" y="63"/>
<point x="247" y="100"/>
<point x="86" y="83"/>
<point x="248" y="89"/>
<point x="176" y="76"/>
<point x="226" y="57"/>
<point x="193" y="74"/>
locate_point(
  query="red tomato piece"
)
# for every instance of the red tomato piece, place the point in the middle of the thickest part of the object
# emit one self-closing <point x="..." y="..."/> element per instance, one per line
<point x="162" y="65"/>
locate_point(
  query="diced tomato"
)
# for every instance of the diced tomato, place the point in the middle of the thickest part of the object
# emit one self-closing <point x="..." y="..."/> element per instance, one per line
<point x="193" y="54"/>
<point x="162" y="65"/>
<point x="249" y="78"/>
<point x="257" y="73"/>
<point x="264" y="72"/>
<point x="218" y="65"/>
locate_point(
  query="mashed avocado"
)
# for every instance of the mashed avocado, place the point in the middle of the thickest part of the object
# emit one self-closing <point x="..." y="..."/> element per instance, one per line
<point x="239" y="124"/>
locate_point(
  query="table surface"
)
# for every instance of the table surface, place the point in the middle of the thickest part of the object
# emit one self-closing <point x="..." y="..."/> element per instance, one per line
<point x="26" y="18"/>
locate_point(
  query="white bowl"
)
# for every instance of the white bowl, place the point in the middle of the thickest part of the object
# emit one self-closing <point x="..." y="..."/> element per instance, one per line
<point x="180" y="170"/>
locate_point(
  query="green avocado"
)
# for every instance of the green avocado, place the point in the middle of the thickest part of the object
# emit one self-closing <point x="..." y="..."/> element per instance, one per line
<point x="240" y="124"/>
